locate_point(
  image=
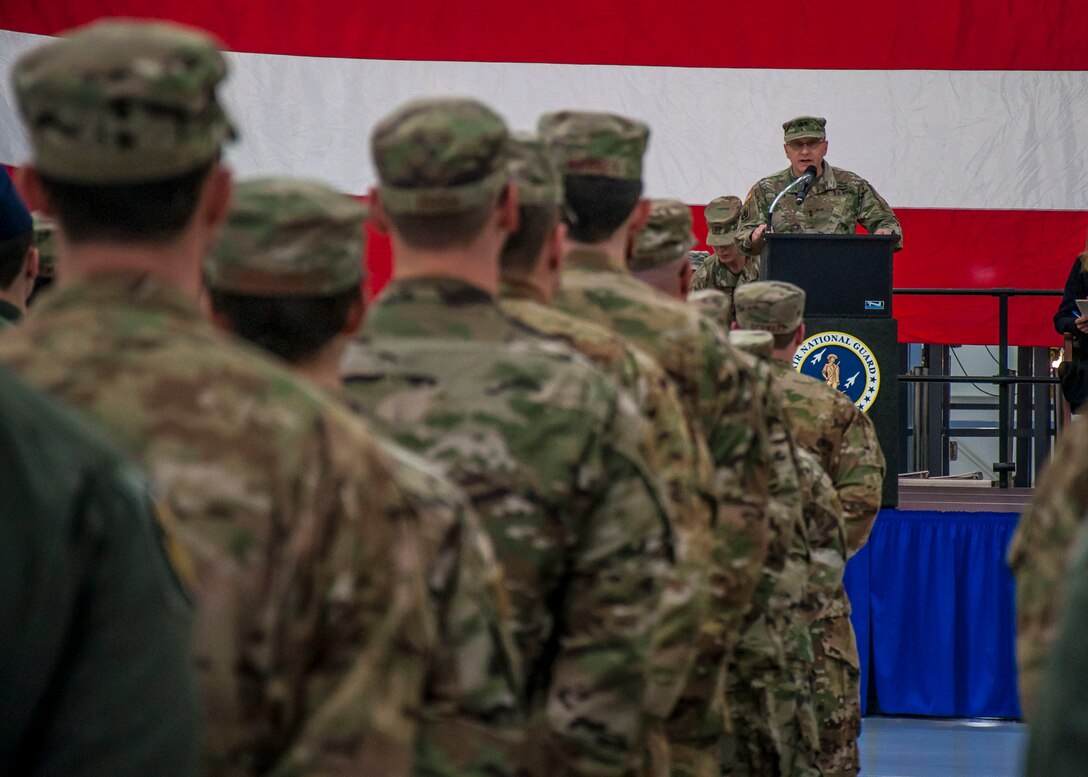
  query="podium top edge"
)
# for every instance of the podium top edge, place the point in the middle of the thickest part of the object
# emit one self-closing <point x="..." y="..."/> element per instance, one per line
<point x="817" y="236"/>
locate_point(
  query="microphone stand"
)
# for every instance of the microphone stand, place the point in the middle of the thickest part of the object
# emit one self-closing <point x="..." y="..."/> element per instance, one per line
<point x="781" y="194"/>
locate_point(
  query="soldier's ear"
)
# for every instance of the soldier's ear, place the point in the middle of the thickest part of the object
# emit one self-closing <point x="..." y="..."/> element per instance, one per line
<point x="356" y="312"/>
<point x="215" y="199"/>
<point x="509" y="214"/>
<point x="554" y="248"/>
<point x="799" y="335"/>
<point x="32" y="267"/>
<point x="640" y="215"/>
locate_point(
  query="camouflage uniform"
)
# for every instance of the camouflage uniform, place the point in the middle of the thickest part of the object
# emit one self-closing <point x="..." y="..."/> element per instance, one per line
<point x="1057" y="742"/>
<point x="774" y="721"/>
<point x="1039" y="556"/>
<point x="44" y="227"/>
<point x="678" y="453"/>
<point x="94" y="622"/>
<point x="719" y="394"/>
<point x="296" y="238"/>
<point x="838" y="200"/>
<point x="15" y="223"/>
<point x="826" y="423"/>
<point x="721" y="219"/>
<point x="311" y="594"/>
<point x="543" y="444"/>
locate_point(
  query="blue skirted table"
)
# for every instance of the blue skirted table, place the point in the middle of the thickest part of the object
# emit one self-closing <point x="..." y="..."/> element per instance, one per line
<point x="934" y="612"/>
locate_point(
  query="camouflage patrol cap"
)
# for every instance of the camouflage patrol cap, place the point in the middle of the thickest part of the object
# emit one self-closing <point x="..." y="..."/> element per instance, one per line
<point x="715" y="304"/>
<point x="603" y="144"/>
<point x="756" y="342"/>
<point x="123" y="101"/>
<point x="665" y="238"/>
<point x="722" y="215"/>
<point x="44" y="227"/>
<point x="773" y="306"/>
<point x="532" y="167"/>
<point x="288" y="237"/>
<point x="440" y="156"/>
<point x="804" y="127"/>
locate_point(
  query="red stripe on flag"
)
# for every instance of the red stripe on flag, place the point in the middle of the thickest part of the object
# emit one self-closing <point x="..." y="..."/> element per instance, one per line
<point x="854" y="34"/>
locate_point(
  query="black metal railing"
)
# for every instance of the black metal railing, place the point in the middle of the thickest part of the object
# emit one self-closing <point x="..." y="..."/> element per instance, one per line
<point x="1004" y="467"/>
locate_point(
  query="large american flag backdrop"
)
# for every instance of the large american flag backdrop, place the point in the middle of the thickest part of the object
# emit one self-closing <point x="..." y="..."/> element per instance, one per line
<point x="969" y="116"/>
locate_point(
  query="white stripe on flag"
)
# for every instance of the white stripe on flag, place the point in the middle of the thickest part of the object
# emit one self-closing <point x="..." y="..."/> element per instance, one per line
<point x="1015" y="140"/>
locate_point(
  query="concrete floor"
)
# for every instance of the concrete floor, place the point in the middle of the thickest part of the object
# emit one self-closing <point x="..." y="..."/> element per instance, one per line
<point x="917" y="747"/>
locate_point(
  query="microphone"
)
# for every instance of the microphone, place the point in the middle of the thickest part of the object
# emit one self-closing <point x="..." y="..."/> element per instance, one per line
<point x="806" y="182"/>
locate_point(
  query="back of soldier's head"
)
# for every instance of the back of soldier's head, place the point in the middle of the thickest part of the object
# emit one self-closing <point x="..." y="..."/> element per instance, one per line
<point x="540" y="197"/>
<point x="441" y="166"/>
<point x="124" y="125"/>
<point x="16" y="233"/>
<point x="666" y="237"/>
<point x="770" y="306"/>
<point x="288" y="267"/>
<point x="600" y="156"/>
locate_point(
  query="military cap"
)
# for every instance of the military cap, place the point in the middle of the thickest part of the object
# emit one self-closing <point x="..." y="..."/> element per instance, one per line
<point x="440" y="156"/>
<point x="288" y="237"/>
<point x="44" y="227"/>
<point x="756" y="342"/>
<point x="715" y="304"/>
<point x="666" y="236"/>
<point x="532" y="167"/>
<point x="722" y="215"/>
<point x="804" y="127"/>
<point x="603" y="144"/>
<point x="123" y="101"/>
<point x="15" y="219"/>
<point x="773" y="306"/>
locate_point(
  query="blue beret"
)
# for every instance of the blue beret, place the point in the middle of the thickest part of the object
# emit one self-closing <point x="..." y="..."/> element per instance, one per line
<point x="14" y="217"/>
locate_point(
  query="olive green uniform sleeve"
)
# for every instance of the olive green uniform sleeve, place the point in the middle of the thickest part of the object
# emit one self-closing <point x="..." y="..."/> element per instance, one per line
<point x="95" y="657"/>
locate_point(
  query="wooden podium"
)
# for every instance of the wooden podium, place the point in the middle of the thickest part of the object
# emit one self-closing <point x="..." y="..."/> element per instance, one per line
<point x="851" y="339"/>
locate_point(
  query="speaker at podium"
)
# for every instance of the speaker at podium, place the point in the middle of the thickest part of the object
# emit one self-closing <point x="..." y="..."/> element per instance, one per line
<point x="851" y="339"/>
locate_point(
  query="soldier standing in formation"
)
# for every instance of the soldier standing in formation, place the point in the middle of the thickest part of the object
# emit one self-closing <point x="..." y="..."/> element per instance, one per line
<point x="601" y="157"/>
<point x="827" y="424"/>
<point x="548" y="450"/>
<point x="286" y="275"/>
<point x="531" y="263"/>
